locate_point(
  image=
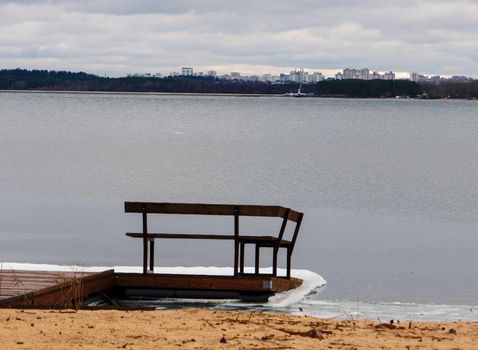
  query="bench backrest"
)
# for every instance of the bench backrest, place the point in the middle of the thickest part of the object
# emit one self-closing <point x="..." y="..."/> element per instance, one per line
<point x="211" y="209"/>
<point x="235" y="210"/>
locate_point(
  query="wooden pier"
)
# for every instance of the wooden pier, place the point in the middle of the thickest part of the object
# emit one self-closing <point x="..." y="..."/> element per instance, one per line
<point x="20" y="288"/>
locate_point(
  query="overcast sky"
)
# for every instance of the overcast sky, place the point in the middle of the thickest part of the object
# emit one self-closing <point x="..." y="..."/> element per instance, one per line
<point x="116" y="37"/>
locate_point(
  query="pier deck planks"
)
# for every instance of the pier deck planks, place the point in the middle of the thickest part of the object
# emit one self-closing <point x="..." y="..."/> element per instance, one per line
<point x="50" y="288"/>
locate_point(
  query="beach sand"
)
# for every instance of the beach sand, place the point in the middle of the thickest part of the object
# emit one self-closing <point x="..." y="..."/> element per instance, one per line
<point x="208" y="329"/>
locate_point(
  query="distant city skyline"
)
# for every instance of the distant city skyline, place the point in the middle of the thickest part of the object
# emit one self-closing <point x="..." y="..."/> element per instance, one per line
<point x="327" y="73"/>
<point x="114" y="38"/>
<point x="302" y="75"/>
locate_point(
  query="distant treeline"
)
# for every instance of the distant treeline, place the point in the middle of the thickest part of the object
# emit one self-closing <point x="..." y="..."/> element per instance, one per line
<point x="368" y="88"/>
<point x="22" y="79"/>
<point x="451" y="89"/>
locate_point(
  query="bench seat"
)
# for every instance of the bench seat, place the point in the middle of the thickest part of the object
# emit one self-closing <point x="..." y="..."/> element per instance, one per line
<point x="180" y="235"/>
<point x="262" y="240"/>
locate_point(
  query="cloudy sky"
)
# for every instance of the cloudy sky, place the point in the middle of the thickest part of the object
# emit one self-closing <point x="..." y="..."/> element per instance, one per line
<point x="116" y="37"/>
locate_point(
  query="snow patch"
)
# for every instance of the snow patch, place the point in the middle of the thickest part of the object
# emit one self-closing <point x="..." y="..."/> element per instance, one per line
<point x="311" y="281"/>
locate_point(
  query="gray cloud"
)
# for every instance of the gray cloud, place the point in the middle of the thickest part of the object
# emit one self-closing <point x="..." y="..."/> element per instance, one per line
<point x="118" y="37"/>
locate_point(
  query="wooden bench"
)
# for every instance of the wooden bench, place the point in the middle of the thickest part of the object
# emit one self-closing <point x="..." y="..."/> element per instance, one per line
<point x="236" y="211"/>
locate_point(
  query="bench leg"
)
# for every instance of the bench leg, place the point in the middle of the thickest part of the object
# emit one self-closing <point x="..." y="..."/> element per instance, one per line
<point x="242" y="258"/>
<point x="274" y="262"/>
<point x="289" y="257"/>
<point x="257" y="264"/>
<point x="236" y="257"/>
<point x="145" y="242"/>
<point x="151" y="255"/>
<point x="145" y="256"/>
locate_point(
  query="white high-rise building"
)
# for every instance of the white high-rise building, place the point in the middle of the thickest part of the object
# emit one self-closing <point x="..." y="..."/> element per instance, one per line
<point x="347" y="73"/>
<point x="284" y="77"/>
<point x="299" y="76"/>
<point x="351" y="73"/>
<point x="294" y="76"/>
<point x="375" y="75"/>
<point x="365" y="74"/>
<point x="416" y="77"/>
<point x="317" y="77"/>
<point x="305" y="77"/>
<point x="389" y="76"/>
<point x="187" y="71"/>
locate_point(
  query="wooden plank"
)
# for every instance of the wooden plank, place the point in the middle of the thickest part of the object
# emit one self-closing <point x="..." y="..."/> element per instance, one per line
<point x="204" y="209"/>
<point x="284" y="284"/>
<point x="294" y="215"/>
<point x="74" y="290"/>
<point x="20" y="282"/>
<point x="248" y="283"/>
<point x="40" y="274"/>
<point x="244" y="238"/>
<point x="53" y="292"/>
<point x="263" y="241"/>
<point x="180" y="235"/>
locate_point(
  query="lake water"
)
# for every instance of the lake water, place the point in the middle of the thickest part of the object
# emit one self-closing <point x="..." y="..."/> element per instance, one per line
<point x="389" y="188"/>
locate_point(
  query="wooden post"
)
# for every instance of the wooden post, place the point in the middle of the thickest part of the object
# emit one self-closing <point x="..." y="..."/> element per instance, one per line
<point x="289" y="257"/>
<point x="277" y="245"/>
<point x="256" y="269"/>
<point x="274" y="261"/>
<point x="242" y="246"/>
<point x="151" y="255"/>
<point x="236" y="240"/>
<point x="296" y="230"/>
<point x="145" y="242"/>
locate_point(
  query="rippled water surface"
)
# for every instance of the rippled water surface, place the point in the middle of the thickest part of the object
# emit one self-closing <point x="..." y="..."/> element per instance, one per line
<point x="389" y="188"/>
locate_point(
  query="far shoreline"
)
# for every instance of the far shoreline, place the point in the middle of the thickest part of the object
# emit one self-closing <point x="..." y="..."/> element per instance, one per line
<point x="153" y="93"/>
<point x="217" y="94"/>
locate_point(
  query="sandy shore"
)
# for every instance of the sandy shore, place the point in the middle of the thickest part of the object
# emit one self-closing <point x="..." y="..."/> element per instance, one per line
<point x="206" y="329"/>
